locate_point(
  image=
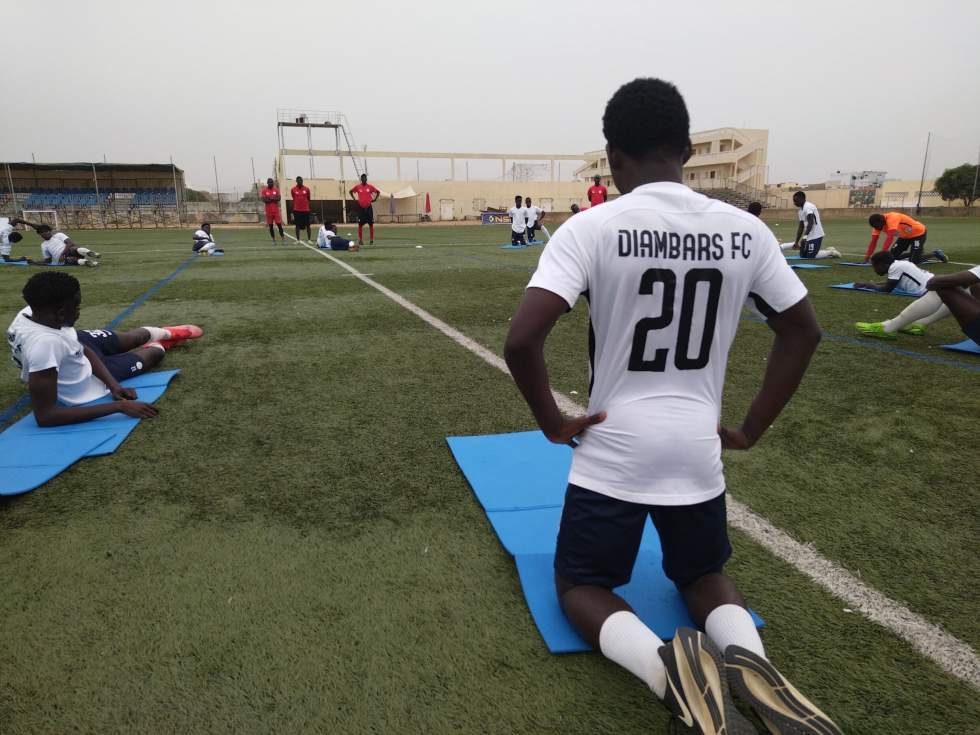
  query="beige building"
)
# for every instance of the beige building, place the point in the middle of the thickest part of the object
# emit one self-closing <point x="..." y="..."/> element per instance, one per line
<point x="723" y="158"/>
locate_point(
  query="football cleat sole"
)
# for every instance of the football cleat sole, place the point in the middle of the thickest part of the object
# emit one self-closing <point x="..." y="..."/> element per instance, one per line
<point x="777" y="702"/>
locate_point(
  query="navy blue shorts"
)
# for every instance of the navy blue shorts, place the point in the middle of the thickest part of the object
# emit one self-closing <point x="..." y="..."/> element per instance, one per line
<point x="517" y="238"/>
<point x="599" y="538"/>
<point x="972" y="330"/>
<point x="811" y="248"/>
<point x="105" y="343"/>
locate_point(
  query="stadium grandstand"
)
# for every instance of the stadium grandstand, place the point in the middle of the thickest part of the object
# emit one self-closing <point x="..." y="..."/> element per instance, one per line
<point x="95" y="194"/>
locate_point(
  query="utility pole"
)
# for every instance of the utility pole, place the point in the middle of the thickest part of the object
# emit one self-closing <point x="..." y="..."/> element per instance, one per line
<point x="217" y="189"/>
<point x="918" y="202"/>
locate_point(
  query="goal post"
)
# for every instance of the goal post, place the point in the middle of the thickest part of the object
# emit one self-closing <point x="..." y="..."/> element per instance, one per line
<point x="41" y="216"/>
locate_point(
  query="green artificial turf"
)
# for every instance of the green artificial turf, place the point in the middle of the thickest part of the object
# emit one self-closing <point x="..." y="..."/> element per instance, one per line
<point x="289" y="546"/>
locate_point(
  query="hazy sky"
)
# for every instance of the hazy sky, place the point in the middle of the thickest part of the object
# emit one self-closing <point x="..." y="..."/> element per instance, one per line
<point x="840" y="85"/>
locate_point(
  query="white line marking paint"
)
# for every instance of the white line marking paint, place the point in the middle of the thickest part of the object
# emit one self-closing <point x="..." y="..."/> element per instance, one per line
<point x="951" y="654"/>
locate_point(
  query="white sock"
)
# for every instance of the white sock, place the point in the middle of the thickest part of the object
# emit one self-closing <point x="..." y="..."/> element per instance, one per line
<point x="82" y="251"/>
<point x="918" y="310"/>
<point x="732" y="625"/>
<point x="158" y="333"/>
<point x="787" y="245"/>
<point x="625" y="640"/>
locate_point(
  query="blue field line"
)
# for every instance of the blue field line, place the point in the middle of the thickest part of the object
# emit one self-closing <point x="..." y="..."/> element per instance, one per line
<point x="21" y="403"/>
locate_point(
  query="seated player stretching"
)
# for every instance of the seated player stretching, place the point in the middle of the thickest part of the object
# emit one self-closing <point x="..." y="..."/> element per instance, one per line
<point x="65" y="368"/>
<point x="902" y="275"/>
<point x="203" y="242"/>
<point x="57" y="248"/>
<point x="909" y="235"/>
<point x="960" y="293"/>
<point x="663" y="313"/>
<point x="8" y="237"/>
<point x="327" y="239"/>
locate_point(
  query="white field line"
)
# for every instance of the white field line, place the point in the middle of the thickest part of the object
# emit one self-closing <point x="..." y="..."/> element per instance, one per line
<point x="861" y="256"/>
<point x="951" y="654"/>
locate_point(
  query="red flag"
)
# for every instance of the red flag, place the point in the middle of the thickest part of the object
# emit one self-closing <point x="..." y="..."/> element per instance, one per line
<point x="428" y="204"/>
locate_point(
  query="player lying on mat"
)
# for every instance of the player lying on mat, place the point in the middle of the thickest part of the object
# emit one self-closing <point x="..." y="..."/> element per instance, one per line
<point x="960" y="293"/>
<point x="651" y="445"/>
<point x="65" y="367"/>
<point x="57" y="247"/>
<point x="903" y="275"/>
<point x="327" y="239"/>
<point x="203" y="241"/>
<point x="9" y="237"/>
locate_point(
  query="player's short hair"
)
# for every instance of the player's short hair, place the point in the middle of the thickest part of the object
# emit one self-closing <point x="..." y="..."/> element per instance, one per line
<point x="755" y="208"/>
<point x="50" y="288"/>
<point x="15" y="237"/>
<point x="800" y="195"/>
<point x="877" y="221"/>
<point x="597" y="176"/>
<point x="328" y="226"/>
<point x="43" y="228"/>
<point x="647" y="116"/>
<point x="205" y="224"/>
<point x="883" y="257"/>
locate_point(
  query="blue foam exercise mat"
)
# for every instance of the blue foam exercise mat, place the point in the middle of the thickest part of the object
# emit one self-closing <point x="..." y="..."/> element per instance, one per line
<point x="967" y="345"/>
<point x="798" y="257"/>
<point x="896" y="292"/>
<point x="513" y="471"/>
<point x="853" y="264"/>
<point x="510" y="246"/>
<point x="30" y="455"/>
<point x="520" y="481"/>
<point x="15" y="262"/>
<point x="807" y="266"/>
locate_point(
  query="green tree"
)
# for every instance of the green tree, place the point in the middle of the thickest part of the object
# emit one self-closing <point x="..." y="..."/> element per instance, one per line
<point x="957" y="183"/>
<point x="193" y="195"/>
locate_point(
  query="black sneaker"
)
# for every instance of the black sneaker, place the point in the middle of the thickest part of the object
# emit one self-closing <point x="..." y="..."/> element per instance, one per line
<point x="940" y="256"/>
<point x="777" y="702"/>
<point x="697" y="688"/>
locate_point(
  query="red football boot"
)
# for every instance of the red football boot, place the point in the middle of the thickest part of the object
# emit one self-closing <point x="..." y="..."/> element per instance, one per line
<point x="181" y="333"/>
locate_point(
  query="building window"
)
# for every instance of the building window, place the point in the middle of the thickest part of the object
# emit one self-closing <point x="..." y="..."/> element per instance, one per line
<point x="711" y="175"/>
<point x="479" y="205"/>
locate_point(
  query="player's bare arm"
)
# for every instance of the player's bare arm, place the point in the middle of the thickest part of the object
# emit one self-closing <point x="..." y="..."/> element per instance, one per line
<point x="100" y="371"/>
<point x="536" y="316"/>
<point x="43" y="389"/>
<point x="964" y="279"/>
<point x="797" y="335"/>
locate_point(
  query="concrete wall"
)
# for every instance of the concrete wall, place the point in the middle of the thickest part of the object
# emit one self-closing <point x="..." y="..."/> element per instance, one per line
<point x="463" y="198"/>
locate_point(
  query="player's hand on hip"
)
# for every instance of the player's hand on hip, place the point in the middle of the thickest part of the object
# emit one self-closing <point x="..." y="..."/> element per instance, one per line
<point x="123" y="394"/>
<point x="138" y="409"/>
<point x="570" y="428"/>
<point x="733" y="438"/>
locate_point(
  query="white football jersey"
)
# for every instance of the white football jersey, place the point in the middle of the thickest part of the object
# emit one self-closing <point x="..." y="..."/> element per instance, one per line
<point x="911" y="278"/>
<point x="5" y="229"/>
<point x="807" y="209"/>
<point x="54" y="246"/>
<point x="533" y="212"/>
<point x="518" y="218"/>
<point x="666" y="272"/>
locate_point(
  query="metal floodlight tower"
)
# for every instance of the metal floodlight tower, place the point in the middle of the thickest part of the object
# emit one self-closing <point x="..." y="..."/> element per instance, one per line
<point x="313" y="120"/>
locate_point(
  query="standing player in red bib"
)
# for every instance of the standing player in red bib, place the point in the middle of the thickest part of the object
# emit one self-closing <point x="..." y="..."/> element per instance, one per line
<point x="366" y="195"/>
<point x="301" y="208"/>
<point x="597" y="193"/>
<point x="271" y="196"/>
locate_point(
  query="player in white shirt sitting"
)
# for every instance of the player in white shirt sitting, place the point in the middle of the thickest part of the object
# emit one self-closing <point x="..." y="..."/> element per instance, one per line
<point x="810" y="234"/>
<point x="327" y="239"/>
<point x="957" y="294"/>
<point x="59" y="249"/>
<point x="64" y="367"/>
<point x="203" y="241"/>
<point x="518" y="221"/>
<point x="535" y="220"/>
<point x="665" y="272"/>
<point x="9" y="237"/>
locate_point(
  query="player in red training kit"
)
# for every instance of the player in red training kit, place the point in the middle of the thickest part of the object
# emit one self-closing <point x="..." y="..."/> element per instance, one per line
<point x="301" y="207"/>
<point x="597" y="193"/>
<point x="271" y="196"/>
<point x="366" y="195"/>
